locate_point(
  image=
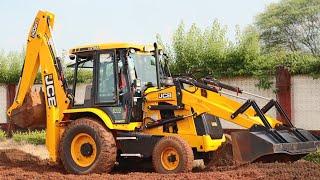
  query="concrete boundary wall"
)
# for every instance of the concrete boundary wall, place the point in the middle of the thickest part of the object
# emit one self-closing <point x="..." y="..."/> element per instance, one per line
<point x="249" y="84"/>
<point x="306" y="102"/>
<point x="3" y="103"/>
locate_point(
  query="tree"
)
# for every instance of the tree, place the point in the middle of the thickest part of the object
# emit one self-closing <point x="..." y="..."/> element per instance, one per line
<point x="196" y="51"/>
<point x="206" y="52"/>
<point x="292" y="26"/>
<point x="10" y="66"/>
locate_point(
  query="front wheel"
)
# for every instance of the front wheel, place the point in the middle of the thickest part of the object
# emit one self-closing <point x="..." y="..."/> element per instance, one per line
<point x="86" y="147"/>
<point x="172" y="155"/>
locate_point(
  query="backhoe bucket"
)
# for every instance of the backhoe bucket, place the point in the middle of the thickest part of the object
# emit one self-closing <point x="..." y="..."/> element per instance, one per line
<point x="264" y="146"/>
<point x="32" y="113"/>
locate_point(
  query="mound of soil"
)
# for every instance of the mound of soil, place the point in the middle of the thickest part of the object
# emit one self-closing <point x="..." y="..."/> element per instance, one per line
<point x="18" y="164"/>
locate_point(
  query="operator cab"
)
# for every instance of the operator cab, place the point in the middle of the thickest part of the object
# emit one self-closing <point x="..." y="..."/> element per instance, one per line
<point x="112" y="77"/>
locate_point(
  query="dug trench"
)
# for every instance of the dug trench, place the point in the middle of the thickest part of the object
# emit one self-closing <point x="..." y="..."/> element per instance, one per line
<point x="30" y="162"/>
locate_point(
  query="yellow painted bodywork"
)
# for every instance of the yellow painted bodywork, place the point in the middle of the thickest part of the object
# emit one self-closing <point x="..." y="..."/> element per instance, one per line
<point x="107" y="46"/>
<point x="186" y="127"/>
<point x="165" y="156"/>
<point x="77" y="156"/>
<point x="214" y="104"/>
<point x="40" y="53"/>
<point x="105" y="118"/>
<point x="223" y="107"/>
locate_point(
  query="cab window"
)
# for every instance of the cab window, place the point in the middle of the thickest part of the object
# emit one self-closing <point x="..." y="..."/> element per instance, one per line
<point x="106" y="80"/>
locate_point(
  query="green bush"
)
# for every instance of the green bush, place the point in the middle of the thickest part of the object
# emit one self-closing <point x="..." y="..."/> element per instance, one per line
<point x="32" y="137"/>
<point x="84" y="75"/>
<point x="314" y="157"/>
<point x="10" y="66"/>
<point x="2" y="135"/>
<point x="202" y="52"/>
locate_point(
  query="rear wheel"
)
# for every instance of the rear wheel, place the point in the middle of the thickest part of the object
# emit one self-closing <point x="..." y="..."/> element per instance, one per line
<point x="172" y="155"/>
<point x="86" y="146"/>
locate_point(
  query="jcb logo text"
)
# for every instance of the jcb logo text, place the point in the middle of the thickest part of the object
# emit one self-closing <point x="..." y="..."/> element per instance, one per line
<point x="51" y="96"/>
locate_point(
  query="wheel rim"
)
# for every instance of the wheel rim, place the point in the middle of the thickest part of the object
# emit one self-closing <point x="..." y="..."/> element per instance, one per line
<point x="170" y="158"/>
<point x="83" y="150"/>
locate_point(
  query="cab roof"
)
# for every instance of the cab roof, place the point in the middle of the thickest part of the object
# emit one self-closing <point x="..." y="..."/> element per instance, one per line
<point x="106" y="46"/>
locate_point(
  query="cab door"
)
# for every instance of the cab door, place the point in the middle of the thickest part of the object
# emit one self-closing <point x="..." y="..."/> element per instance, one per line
<point x="111" y="86"/>
<point x="106" y="91"/>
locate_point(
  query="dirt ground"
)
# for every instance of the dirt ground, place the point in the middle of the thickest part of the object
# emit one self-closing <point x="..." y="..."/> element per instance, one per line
<point x="16" y="163"/>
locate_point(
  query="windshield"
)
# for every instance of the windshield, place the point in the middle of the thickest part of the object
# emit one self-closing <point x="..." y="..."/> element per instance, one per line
<point x="143" y="66"/>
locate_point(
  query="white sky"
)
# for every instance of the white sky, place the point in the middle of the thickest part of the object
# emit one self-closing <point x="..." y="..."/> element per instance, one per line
<point x="93" y="21"/>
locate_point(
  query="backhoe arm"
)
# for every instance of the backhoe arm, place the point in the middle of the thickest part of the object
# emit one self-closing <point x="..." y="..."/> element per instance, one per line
<point x="40" y="54"/>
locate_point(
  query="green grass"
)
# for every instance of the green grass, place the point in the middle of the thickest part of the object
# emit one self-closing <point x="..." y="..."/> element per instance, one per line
<point x="313" y="157"/>
<point x="32" y="137"/>
<point x="2" y="135"/>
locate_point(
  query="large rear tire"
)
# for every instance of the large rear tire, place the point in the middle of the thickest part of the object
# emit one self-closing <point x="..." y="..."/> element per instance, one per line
<point x="87" y="147"/>
<point x="172" y="155"/>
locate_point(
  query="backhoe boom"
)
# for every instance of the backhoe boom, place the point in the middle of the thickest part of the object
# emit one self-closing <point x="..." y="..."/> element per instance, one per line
<point x="40" y="54"/>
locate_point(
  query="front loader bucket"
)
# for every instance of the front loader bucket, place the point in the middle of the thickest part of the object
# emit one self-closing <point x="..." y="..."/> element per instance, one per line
<point x="263" y="146"/>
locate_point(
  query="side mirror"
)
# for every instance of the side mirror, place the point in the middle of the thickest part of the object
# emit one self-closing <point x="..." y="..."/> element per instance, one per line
<point x="72" y="57"/>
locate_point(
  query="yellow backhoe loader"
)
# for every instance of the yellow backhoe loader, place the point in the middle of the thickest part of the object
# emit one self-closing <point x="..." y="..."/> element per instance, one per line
<point x="134" y="108"/>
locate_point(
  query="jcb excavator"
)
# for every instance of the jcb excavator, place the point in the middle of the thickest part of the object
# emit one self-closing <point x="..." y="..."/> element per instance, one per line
<point x="134" y="108"/>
